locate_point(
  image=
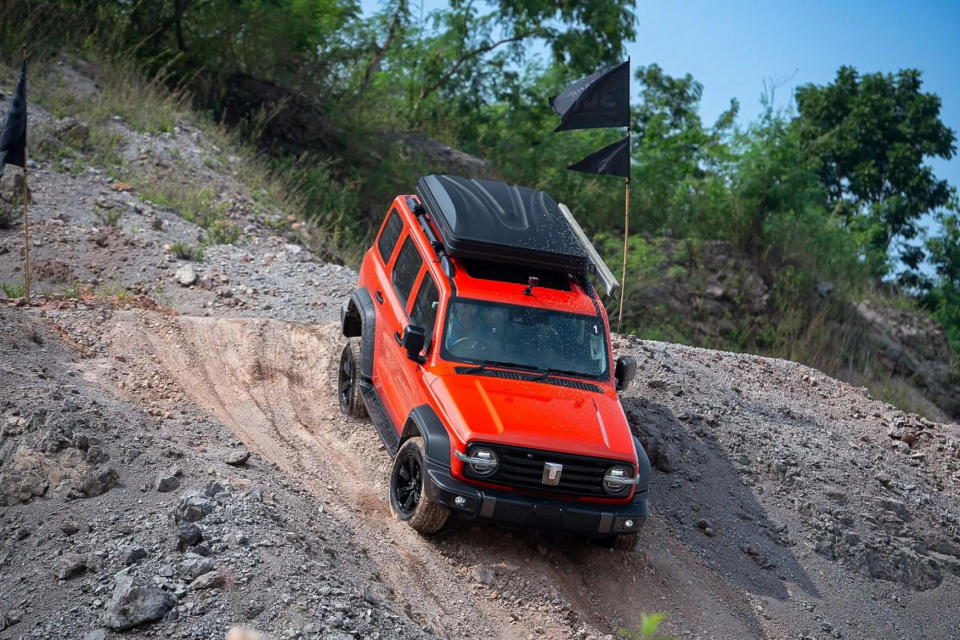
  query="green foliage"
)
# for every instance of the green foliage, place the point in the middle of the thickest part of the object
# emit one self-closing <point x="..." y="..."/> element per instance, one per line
<point x="118" y="292"/>
<point x="13" y="290"/>
<point x="186" y="252"/>
<point x="108" y="217"/>
<point x="870" y="135"/>
<point x="649" y="628"/>
<point x="943" y="297"/>
<point x="74" y="291"/>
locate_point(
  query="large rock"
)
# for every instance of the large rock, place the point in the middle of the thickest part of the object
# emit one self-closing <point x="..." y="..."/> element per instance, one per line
<point x="99" y="481"/>
<point x="188" y="535"/>
<point x="912" y="345"/>
<point x="193" y="507"/>
<point x="297" y="122"/>
<point x="72" y="132"/>
<point x="167" y="483"/>
<point x="135" y="602"/>
<point x="185" y="275"/>
<point x="438" y="157"/>
<point x="69" y="565"/>
<point x="237" y="458"/>
<point x="193" y="568"/>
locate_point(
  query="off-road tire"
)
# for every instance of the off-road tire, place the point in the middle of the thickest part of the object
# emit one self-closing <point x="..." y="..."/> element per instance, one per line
<point x="348" y="381"/>
<point x="625" y="541"/>
<point x="407" y="496"/>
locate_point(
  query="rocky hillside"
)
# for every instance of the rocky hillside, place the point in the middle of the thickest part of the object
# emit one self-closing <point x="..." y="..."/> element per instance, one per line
<point x="712" y="294"/>
<point x="173" y="464"/>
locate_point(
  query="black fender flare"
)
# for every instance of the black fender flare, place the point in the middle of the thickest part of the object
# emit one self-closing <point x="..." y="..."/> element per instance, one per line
<point x="643" y="467"/>
<point x="358" y="318"/>
<point x="425" y="422"/>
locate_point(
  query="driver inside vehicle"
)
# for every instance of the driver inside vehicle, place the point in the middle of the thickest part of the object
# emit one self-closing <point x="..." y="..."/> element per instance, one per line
<point x="473" y="329"/>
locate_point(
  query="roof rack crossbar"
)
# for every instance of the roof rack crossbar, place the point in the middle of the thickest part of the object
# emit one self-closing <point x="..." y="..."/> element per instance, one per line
<point x="600" y="268"/>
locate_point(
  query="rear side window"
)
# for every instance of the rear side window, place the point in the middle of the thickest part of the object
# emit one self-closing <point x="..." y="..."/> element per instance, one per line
<point x="406" y="269"/>
<point x="424" y="312"/>
<point x="389" y="235"/>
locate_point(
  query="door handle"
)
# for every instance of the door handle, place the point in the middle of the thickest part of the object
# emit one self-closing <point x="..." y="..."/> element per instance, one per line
<point x="379" y="296"/>
<point x="398" y="338"/>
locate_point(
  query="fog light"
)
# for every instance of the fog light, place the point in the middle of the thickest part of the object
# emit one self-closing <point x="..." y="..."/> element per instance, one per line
<point x="628" y="524"/>
<point x="460" y="501"/>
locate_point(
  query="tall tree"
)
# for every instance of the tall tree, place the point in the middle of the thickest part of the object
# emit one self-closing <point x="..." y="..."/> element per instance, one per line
<point x="943" y="295"/>
<point x="871" y="135"/>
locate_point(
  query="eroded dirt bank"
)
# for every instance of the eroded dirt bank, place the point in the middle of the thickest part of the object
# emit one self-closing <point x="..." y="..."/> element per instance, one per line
<point x="785" y="503"/>
<point x="273" y="384"/>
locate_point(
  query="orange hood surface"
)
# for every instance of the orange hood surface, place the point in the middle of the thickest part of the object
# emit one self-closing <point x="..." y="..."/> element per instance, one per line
<point x="537" y="415"/>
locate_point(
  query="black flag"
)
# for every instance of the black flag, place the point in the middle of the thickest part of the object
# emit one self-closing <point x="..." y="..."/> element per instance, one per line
<point x="612" y="160"/>
<point x="599" y="100"/>
<point x="13" y="138"/>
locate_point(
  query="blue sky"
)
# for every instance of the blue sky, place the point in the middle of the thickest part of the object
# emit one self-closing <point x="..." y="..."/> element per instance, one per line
<point x="732" y="47"/>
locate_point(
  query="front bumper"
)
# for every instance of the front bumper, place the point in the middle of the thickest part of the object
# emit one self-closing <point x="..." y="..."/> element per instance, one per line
<point x="530" y="512"/>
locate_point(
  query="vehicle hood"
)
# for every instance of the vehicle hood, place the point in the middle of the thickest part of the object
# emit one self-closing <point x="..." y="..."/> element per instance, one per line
<point x="537" y="415"/>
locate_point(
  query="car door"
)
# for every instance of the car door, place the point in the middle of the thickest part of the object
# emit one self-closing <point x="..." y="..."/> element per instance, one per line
<point x="394" y="377"/>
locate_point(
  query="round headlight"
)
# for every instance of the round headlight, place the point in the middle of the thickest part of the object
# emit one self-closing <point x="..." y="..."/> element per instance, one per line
<point x="484" y="461"/>
<point x="613" y="479"/>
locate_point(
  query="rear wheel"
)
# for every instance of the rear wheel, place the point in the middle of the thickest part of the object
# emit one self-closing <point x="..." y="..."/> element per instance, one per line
<point x="407" y="496"/>
<point x="348" y="381"/>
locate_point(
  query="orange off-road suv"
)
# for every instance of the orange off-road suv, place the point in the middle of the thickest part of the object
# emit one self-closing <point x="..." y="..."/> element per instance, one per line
<point x="478" y="346"/>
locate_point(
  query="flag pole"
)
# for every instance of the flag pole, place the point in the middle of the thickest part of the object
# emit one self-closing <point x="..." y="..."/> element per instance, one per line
<point x="26" y="216"/>
<point x="626" y="233"/>
<point x="26" y="233"/>
<point x="626" y="220"/>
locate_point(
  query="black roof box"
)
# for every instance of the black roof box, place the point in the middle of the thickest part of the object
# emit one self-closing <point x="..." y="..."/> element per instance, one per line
<point x="489" y="220"/>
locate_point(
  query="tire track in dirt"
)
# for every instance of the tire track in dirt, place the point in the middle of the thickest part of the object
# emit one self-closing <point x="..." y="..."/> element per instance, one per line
<point x="273" y="384"/>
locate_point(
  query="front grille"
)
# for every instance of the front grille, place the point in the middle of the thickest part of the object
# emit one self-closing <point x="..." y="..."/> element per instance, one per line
<point x="523" y="469"/>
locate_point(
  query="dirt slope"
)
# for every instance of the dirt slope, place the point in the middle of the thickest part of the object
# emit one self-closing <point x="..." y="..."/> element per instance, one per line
<point x="788" y="509"/>
<point x="272" y="383"/>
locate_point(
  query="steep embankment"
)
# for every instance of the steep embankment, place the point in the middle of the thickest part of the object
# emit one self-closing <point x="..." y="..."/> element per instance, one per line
<point x="785" y="503"/>
<point x="713" y="294"/>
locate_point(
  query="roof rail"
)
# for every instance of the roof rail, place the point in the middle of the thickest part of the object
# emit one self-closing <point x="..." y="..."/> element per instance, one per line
<point x="421" y="214"/>
<point x="600" y="268"/>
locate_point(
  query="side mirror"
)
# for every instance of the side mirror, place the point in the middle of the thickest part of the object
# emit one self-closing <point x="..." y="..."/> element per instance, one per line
<point x="625" y="372"/>
<point x="414" y="338"/>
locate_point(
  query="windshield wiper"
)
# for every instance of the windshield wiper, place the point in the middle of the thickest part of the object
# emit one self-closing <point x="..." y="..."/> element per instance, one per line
<point x="506" y="365"/>
<point x="546" y="373"/>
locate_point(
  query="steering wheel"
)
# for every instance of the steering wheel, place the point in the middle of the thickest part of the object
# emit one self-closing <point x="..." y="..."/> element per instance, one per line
<point x="472" y="343"/>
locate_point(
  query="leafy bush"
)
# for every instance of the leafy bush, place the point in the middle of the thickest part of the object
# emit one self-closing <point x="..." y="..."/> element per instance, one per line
<point x="108" y="216"/>
<point x="12" y="290"/>
<point x="186" y="252"/>
<point x="649" y="628"/>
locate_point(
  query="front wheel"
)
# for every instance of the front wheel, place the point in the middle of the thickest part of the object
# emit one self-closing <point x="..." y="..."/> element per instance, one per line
<point x="407" y="496"/>
<point x="624" y="541"/>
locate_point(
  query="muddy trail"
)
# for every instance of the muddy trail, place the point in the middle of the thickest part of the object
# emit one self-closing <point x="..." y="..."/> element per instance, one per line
<point x="273" y="384"/>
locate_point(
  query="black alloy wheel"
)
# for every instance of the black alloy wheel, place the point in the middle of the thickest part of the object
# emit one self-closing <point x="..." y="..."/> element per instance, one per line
<point x="407" y="496"/>
<point x="409" y="481"/>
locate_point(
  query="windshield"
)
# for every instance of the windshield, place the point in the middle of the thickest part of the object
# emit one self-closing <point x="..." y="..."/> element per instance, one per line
<point x="508" y="335"/>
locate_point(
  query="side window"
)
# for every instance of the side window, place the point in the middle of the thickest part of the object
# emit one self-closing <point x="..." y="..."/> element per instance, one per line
<point x="389" y="235"/>
<point x="424" y="312"/>
<point x="406" y="269"/>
